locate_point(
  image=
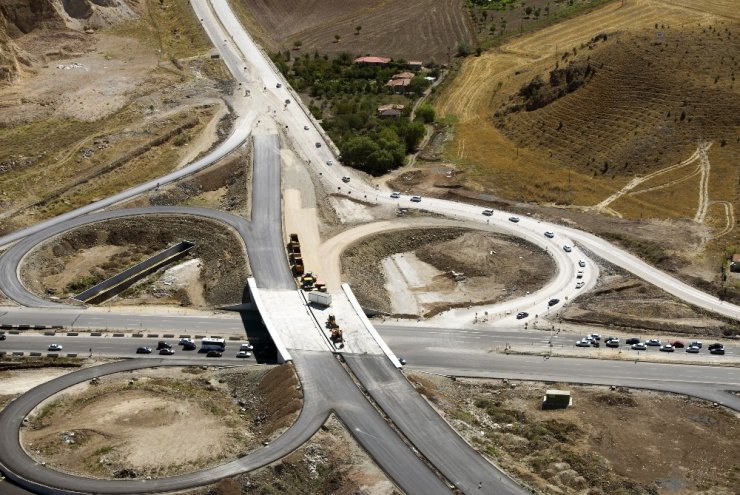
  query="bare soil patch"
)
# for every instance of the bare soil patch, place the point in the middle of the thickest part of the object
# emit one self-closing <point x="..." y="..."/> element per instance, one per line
<point x="426" y="30"/>
<point x="78" y="259"/>
<point x="131" y="425"/>
<point x="610" y="441"/>
<point x="488" y="266"/>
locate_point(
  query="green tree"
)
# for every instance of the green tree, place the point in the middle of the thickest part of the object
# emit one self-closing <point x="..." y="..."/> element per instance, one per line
<point x="426" y="113"/>
<point x="358" y="29"/>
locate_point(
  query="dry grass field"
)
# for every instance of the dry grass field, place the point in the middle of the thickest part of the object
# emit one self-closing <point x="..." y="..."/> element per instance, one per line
<point x="651" y="132"/>
<point x="412" y="30"/>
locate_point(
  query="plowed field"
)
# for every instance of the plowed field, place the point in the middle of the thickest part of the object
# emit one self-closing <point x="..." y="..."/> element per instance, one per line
<point x="423" y="30"/>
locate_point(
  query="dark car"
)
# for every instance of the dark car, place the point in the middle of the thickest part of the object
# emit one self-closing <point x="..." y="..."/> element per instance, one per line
<point x="2" y="336"/>
<point x="144" y="350"/>
<point x="553" y="302"/>
<point x="677" y="344"/>
<point x="166" y="351"/>
<point x="213" y="354"/>
<point x="522" y="314"/>
<point x="632" y="341"/>
<point x="716" y="345"/>
<point x="163" y="345"/>
<point x="717" y="350"/>
<point x="188" y="346"/>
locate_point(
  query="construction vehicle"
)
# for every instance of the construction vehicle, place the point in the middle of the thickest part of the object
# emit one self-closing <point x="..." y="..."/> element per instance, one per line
<point x="331" y="322"/>
<point x="336" y="335"/>
<point x="320" y="286"/>
<point x="307" y="281"/>
<point x="294" y="254"/>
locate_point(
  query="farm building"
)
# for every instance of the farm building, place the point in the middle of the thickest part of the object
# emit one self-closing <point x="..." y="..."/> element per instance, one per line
<point x="398" y="85"/>
<point x="403" y="75"/>
<point x="372" y="60"/>
<point x="390" y="111"/>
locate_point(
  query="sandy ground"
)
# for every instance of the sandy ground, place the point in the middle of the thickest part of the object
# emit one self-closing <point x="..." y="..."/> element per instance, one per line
<point x="184" y="276"/>
<point x="18" y="382"/>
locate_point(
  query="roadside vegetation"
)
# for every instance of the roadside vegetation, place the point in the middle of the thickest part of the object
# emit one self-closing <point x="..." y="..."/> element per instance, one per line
<point x="345" y="96"/>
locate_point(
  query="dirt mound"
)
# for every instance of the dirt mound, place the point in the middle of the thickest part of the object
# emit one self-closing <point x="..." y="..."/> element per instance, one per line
<point x="62" y="266"/>
<point x="25" y="16"/>
<point x="411" y="30"/>
<point x="631" y="103"/>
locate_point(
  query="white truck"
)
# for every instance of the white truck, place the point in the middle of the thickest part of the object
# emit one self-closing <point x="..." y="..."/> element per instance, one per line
<point x="321" y="298"/>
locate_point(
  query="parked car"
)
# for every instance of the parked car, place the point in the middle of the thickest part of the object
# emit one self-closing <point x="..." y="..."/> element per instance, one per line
<point x="580" y="284"/>
<point x="612" y="343"/>
<point x="514" y="219"/>
<point x="632" y="340"/>
<point x="243" y="354"/>
<point x="415" y="199"/>
<point x="677" y="344"/>
<point x="639" y="347"/>
<point x="144" y="350"/>
<point x="579" y="274"/>
<point x="583" y="343"/>
<point x="163" y="345"/>
<point x="213" y="354"/>
<point x="346" y="178"/>
<point x="653" y="342"/>
<point x="567" y="248"/>
<point x="716" y="345"/>
<point x="521" y="314"/>
<point x="318" y="145"/>
<point x="697" y="343"/>
<point x="189" y="346"/>
<point x="55" y="347"/>
<point x="667" y="348"/>
<point x="402" y="361"/>
<point x="167" y="351"/>
<point x="488" y="212"/>
<point x="692" y="349"/>
<point x="553" y="302"/>
<point x="395" y="195"/>
<point x="717" y="350"/>
<point x="581" y="263"/>
<point x="305" y="127"/>
<point x="549" y="234"/>
<point x="329" y="163"/>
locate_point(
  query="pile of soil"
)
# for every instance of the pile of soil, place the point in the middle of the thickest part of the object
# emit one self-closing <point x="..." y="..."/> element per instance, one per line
<point x="609" y="441"/>
<point x="224" y="268"/>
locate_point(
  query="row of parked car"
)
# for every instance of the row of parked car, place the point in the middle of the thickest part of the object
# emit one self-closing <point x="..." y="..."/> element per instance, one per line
<point x="635" y="344"/>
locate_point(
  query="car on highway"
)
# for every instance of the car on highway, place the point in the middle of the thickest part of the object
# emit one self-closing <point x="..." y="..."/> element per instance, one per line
<point x="55" y="347"/>
<point x="163" y="345"/>
<point x="521" y="314"/>
<point x="718" y="350"/>
<point x="667" y="348"/>
<point x="243" y="354"/>
<point x="549" y="234"/>
<point x="583" y="343"/>
<point x="697" y="343"/>
<point x="318" y="145"/>
<point x="488" y="212"/>
<point x="567" y="248"/>
<point x="246" y="347"/>
<point x="167" y="351"/>
<point x="2" y="336"/>
<point x="213" y="354"/>
<point x="581" y="263"/>
<point x="632" y="341"/>
<point x="514" y="219"/>
<point x="638" y="347"/>
<point x="415" y="199"/>
<point x="677" y="344"/>
<point x="189" y="346"/>
<point x="594" y="336"/>
<point x="716" y="345"/>
<point x="579" y="274"/>
<point x="653" y="342"/>
<point x="144" y="350"/>
<point x="305" y="127"/>
<point x="580" y="284"/>
<point x="612" y="343"/>
<point x="278" y="85"/>
<point x="402" y="361"/>
<point x="185" y="340"/>
<point x="553" y="302"/>
<point x="329" y="163"/>
<point x="346" y="178"/>
<point x="693" y="349"/>
<point x="395" y="195"/>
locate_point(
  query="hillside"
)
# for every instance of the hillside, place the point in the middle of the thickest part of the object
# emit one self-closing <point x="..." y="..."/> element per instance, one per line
<point x="407" y="29"/>
<point x="632" y="103"/>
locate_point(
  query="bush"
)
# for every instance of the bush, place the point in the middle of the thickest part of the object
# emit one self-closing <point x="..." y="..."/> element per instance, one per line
<point x="426" y="113"/>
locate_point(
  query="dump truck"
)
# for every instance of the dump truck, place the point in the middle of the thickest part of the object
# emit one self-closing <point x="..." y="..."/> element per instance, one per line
<point x="321" y="298"/>
<point x="307" y="281"/>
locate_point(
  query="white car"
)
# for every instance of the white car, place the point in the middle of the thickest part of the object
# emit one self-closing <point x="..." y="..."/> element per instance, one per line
<point x="55" y="347"/>
<point x="329" y="162"/>
<point x="246" y="347"/>
<point x="581" y="263"/>
<point x="514" y="219"/>
<point x="488" y="212"/>
<point x="243" y="354"/>
<point x="583" y="343"/>
<point x="692" y="349"/>
<point x="549" y="234"/>
<point x="567" y="248"/>
<point x="395" y="195"/>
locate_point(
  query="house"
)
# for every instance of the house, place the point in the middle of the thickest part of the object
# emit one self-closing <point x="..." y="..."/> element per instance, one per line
<point x="390" y="111"/>
<point x="414" y="65"/>
<point x="398" y="85"/>
<point x="735" y="263"/>
<point x="403" y="75"/>
<point x="372" y="60"/>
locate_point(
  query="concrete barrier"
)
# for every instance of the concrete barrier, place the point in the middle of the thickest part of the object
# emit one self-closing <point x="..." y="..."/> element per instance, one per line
<point x="282" y="352"/>
<point x="138" y="335"/>
<point x="72" y="354"/>
<point x="153" y="335"/>
<point x="51" y="334"/>
<point x="18" y="353"/>
<point x="169" y="336"/>
<point x="72" y="334"/>
<point x="24" y="327"/>
<point x="235" y="338"/>
<point x="34" y="354"/>
<point x="184" y="336"/>
<point x="370" y="328"/>
<point x="95" y="334"/>
<point x="6" y="325"/>
<point x="14" y="332"/>
<point x="118" y="283"/>
<point x="52" y="355"/>
<point x="119" y="334"/>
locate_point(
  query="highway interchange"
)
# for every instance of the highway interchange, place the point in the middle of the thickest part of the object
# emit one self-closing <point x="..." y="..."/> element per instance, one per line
<point x="326" y="385"/>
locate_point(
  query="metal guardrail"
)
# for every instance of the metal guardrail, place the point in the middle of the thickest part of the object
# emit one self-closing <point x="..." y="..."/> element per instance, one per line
<point x="117" y="283"/>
